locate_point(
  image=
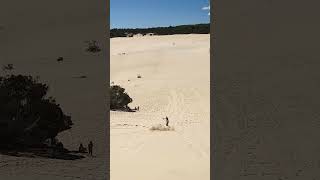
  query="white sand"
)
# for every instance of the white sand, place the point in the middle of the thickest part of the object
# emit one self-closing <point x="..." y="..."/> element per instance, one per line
<point x="175" y="83"/>
<point x="35" y="34"/>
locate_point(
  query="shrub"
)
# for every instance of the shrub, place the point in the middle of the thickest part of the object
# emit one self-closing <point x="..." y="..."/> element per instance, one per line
<point x="27" y="117"/>
<point x="60" y="59"/>
<point x="8" y="67"/>
<point x="119" y="99"/>
<point x="93" y="47"/>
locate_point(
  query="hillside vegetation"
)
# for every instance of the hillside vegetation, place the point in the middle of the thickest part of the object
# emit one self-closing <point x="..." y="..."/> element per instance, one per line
<point x="183" y="29"/>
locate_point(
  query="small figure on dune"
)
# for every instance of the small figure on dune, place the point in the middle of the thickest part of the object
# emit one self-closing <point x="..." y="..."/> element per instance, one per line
<point x="59" y="147"/>
<point x="136" y="108"/>
<point x="81" y="148"/>
<point x="90" y="146"/>
<point x="167" y="120"/>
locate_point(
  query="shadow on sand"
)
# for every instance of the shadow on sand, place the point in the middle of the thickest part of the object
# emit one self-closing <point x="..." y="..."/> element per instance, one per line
<point x="47" y="152"/>
<point x="124" y="110"/>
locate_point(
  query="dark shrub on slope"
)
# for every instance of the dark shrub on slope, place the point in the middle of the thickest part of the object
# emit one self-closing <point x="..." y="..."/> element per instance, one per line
<point x="119" y="99"/>
<point x="27" y="117"/>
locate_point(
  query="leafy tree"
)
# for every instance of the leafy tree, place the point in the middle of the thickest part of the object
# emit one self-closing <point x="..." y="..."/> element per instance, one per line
<point x="27" y="117"/>
<point x="119" y="99"/>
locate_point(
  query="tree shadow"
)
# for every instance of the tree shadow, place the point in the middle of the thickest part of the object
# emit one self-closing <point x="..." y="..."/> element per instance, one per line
<point x="49" y="153"/>
<point x="124" y="109"/>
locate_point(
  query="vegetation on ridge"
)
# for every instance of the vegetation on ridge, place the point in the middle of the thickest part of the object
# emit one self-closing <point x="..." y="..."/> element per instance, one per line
<point x="183" y="29"/>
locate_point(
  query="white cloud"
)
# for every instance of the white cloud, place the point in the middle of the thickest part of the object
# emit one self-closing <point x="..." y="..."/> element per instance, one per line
<point x="206" y="8"/>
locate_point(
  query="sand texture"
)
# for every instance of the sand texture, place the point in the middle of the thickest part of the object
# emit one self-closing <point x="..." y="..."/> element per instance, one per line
<point x="266" y="91"/>
<point x="33" y="35"/>
<point x="174" y="82"/>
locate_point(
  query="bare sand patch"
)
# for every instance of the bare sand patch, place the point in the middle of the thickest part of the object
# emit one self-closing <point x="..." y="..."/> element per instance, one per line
<point x="175" y="81"/>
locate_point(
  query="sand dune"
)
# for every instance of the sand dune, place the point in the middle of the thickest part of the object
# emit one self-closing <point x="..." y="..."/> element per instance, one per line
<point x="175" y="83"/>
<point x="34" y="35"/>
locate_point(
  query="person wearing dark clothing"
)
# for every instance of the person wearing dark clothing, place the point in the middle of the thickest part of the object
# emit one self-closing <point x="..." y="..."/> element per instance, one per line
<point x="81" y="148"/>
<point x="167" y="121"/>
<point x="90" y="146"/>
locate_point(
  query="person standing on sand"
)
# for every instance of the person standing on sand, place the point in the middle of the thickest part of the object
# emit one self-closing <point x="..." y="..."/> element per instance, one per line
<point x="167" y="121"/>
<point x="90" y="146"/>
<point x="81" y="148"/>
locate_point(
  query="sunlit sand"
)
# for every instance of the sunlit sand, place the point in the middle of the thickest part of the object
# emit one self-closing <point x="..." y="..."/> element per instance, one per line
<point x="174" y="82"/>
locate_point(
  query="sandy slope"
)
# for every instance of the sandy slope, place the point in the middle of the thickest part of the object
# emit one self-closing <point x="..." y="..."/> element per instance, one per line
<point x="33" y="36"/>
<point x="175" y="83"/>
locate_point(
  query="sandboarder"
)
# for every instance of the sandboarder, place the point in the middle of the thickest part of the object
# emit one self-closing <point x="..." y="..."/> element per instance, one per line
<point x="90" y="146"/>
<point x="167" y="121"/>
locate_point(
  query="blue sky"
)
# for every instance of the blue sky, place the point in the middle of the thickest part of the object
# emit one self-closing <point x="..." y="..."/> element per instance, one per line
<point x="155" y="13"/>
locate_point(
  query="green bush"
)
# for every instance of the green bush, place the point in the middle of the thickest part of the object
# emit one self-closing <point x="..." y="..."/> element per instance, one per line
<point x="119" y="99"/>
<point x="27" y="117"/>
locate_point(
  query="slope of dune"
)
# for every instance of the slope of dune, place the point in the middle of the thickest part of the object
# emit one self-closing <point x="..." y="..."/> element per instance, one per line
<point x="175" y="83"/>
<point x="33" y="35"/>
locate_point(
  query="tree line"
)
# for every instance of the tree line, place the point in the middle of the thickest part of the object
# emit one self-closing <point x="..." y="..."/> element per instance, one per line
<point x="182" y="29"/>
